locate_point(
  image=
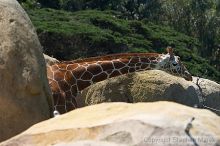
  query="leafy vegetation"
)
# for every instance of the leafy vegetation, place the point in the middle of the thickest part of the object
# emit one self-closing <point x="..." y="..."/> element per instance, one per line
<point x="68" y="36"/>
<point x="83" y="28"/>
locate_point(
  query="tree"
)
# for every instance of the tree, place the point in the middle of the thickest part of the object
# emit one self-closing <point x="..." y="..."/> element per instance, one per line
<point x="72" y="5"/>
<point x="55" y="4"/>
<point x="197" y="18"/>
<point x="29" y="3"/>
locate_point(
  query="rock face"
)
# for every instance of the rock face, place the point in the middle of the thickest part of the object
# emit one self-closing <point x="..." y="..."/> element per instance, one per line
<point x="123" y="124"/>
<point x="25" y="98"/>
<point x="50" y="60"/>
<point x="210" y="91"/>
<point x="153" y="85"/>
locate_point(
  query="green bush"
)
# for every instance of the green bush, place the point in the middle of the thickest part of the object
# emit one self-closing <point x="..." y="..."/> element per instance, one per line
<point x="68" y="36"/>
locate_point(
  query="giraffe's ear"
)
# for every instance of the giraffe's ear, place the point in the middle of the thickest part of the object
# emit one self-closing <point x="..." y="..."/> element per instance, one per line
<point x="170" y="52"/>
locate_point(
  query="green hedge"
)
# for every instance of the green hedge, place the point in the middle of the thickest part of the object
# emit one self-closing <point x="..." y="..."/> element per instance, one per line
<point x="68" y="36"/>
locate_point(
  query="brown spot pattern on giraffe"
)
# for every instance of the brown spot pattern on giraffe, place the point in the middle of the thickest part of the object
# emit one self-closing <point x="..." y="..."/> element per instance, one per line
<point x="69" y="106"/>
<point x="74" y="76"/>
<point x="78" y="72"/>
<point x="54" y="68"/>
<point x="153" y="58"/>
<point x="62" y="67"/>
<point x="64" y="85"/>
<point x="94" y="69"/>
<point x="138" y="64"/>
<point x="145" y="60"/>
<point x="82" y="84"/>
<point x="118" y="64"/>
<point x="87" y="76"/>
<point x="100" y="77"/>
<point x="72" y="66"/>
<point x="68" y="96"/>
<point x="54" y="87"/>
<point x="131" y="64"/>
<point x="115" y="73"/>
<point x="74" y="90"/>
<point x="107" y="66"/>
<point x="124" y="70"/>
<point x="134" y="60"/>
<point x="59" y="99"/>
<point x="69" y="78"/>
<point x="59" y="75"/>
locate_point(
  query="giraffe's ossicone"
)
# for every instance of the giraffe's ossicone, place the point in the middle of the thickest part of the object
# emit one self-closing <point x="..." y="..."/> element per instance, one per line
<point x="67" y="79"/>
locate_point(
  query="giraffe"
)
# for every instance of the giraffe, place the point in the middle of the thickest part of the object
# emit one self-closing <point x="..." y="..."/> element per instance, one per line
<point x="68" y="78"/>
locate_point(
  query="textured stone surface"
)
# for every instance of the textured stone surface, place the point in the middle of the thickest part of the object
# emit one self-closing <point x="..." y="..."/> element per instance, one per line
<point x="25" y="98"/>
<point x="210" y="91"/>
<point x="123" y="124"/>
<point x="153" y="85"/>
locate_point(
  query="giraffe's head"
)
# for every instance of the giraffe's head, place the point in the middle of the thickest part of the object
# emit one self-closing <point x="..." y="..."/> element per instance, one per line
<point x="172" y="64"/>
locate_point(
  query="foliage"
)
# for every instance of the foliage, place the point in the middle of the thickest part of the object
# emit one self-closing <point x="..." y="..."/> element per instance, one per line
<point x="68" y="36"/>
<point x="29" y="4"/>
<point x="56" y="4"/>
<point x="195" y="18"/>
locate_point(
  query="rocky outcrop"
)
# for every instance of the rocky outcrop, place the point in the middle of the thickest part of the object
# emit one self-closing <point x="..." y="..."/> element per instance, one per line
<point x="50" y="60"/>
<point x="25" y="98"/>
<point x="123" y="124"/>
<point x="209" y="93"/>
<point x="154" y="85"/>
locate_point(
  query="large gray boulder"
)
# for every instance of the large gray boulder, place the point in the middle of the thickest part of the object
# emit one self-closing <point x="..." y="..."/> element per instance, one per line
<point x="153" y="85"/>
<point x="25" y="97"/>
<point x="123" y="124"/>
<point x="209" y="93"/>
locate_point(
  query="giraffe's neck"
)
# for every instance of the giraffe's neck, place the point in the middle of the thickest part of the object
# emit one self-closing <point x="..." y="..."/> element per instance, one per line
<point x="69" y="78"/>
<point x="113" y="57"/>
